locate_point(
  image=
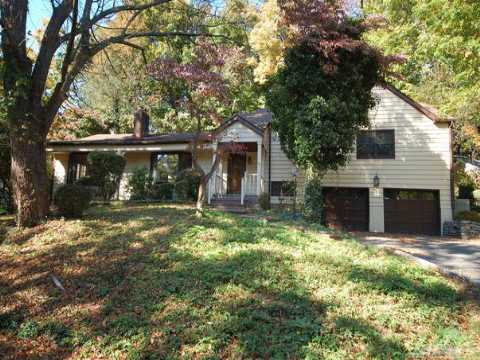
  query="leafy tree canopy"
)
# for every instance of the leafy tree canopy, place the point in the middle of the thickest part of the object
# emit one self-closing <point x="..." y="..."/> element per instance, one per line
<point x="76" y="32"/>
<point x="118" y="82"/>
<point x="266" y="42"/>
<point x="322" y="94"/>
<point x="440" y="41"/>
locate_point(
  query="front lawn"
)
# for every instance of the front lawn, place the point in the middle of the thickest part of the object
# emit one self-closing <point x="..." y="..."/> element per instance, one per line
<point x="156" y="282"/>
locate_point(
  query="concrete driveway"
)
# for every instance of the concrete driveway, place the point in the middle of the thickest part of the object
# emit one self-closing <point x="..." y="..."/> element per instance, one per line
<point x="460" y="257"/>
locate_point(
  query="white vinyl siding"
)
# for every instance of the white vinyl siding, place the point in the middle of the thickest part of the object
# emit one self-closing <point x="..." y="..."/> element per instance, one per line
<point x="134" y="159"/>
<point x="205" y="160"/>
<point x="239" y="133"/>
<point x="282" y="168"/>
<point x="142" y="159"/>
<point x="422" y="158"/>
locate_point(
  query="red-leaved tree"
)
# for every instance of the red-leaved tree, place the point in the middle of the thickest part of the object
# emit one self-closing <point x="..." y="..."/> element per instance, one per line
<point x="331" y="27"/>
<point x="70" y="41"/>
<point x="207" y="94"/>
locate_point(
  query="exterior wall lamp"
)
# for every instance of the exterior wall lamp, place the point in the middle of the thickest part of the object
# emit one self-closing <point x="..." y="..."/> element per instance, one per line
<point x="295" y="172"/>
<point x="376" y="181"/>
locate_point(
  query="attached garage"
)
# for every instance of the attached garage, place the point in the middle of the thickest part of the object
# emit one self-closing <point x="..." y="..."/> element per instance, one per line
<point x="346" y="208"/>
<point x="412" y="211"/>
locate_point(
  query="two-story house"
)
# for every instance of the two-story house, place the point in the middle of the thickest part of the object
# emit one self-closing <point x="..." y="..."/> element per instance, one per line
<point x="399" y="178"/>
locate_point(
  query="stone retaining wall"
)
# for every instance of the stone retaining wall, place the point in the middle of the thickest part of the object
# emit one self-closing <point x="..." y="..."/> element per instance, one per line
<point x="465" y="229"/>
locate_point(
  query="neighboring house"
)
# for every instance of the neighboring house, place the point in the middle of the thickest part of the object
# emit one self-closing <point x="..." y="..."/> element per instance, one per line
<point x="472" y="166"/>
<point x="399" y="178"/>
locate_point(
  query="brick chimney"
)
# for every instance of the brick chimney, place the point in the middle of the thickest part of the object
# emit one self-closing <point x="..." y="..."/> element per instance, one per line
<point x="141" y="123"/>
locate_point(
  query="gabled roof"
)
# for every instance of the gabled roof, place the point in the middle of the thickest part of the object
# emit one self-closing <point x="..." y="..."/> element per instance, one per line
<point x="260" y="118"/>
<point x="256" y="121"/>
<point x="429" y="111"/>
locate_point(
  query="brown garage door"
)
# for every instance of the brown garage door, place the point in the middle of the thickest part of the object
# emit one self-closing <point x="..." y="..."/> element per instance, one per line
<point x="412" y="211"/>
<point x="346" y="208"/>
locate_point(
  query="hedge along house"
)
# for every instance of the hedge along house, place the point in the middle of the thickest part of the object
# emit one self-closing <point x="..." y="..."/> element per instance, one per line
<point x="399" y="178"/>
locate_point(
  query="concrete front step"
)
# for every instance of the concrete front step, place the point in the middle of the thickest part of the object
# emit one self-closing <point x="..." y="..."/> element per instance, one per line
<point x="226" y="204"/>
<point x="226" y="198"/>
<point x="232" y="203"/>
<point x="232" y="209"/>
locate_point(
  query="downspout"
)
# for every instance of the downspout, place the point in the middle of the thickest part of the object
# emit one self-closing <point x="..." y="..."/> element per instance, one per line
<point x="452" y="172"/>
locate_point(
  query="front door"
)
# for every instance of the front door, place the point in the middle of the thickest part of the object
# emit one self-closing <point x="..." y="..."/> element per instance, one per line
<point x="236" y="170"/>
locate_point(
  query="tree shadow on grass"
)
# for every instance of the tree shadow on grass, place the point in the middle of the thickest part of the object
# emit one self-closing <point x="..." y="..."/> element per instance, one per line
<point x="377" y="345"/>
<point x="429" y="290"/>
<point x="136" y="286"/>
<point x="248" y="230"/>
<point x="92" y="266"/>
<point x="248" y="303"/>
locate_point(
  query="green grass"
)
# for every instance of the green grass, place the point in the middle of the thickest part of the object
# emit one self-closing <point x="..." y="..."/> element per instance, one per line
<point x="155" y="282"/>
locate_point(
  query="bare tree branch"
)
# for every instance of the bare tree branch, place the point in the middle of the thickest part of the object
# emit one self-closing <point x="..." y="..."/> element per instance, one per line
<point x="48" y="47"/>
<point x="85" y="50"/>
<point x="137" y="47"/>
<point x="153" y="34"/>
<point x="130" y="21"/>
<point x="112" y="66"/>
<point x="71" y="44"/>
<point x="131" y="7"/>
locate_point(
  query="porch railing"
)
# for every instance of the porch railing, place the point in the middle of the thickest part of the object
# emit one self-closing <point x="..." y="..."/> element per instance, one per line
<point x="251" y="184"/>
<point x="217" y="185"/>
<point x="220" y="185"/>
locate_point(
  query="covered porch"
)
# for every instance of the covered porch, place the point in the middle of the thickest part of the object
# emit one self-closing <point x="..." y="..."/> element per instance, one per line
<point x="240" y="176"/>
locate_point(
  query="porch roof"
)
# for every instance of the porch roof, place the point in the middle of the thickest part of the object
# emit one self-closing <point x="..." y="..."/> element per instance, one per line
<point x="256" y="121"/>
<point x="129" y="139"/>
<point x="260" y="118"/>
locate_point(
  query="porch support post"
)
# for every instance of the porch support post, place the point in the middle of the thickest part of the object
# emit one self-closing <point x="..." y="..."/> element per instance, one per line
<point x="213" y="179"/>
<point x="259" y="166"/>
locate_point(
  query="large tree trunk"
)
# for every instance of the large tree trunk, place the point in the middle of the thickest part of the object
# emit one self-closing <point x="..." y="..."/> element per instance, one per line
<point x="29" y="177"/>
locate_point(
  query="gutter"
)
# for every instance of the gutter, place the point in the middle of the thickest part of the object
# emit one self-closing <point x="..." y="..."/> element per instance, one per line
<point x="52" y="144"/>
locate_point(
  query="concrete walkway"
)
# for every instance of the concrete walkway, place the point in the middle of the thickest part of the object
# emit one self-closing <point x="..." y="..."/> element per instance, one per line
<point x="459" y="257"/>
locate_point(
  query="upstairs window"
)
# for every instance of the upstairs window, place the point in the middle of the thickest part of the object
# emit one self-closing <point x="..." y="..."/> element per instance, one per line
<point x="77" y="167"/>
<point x="376" y="144"/>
